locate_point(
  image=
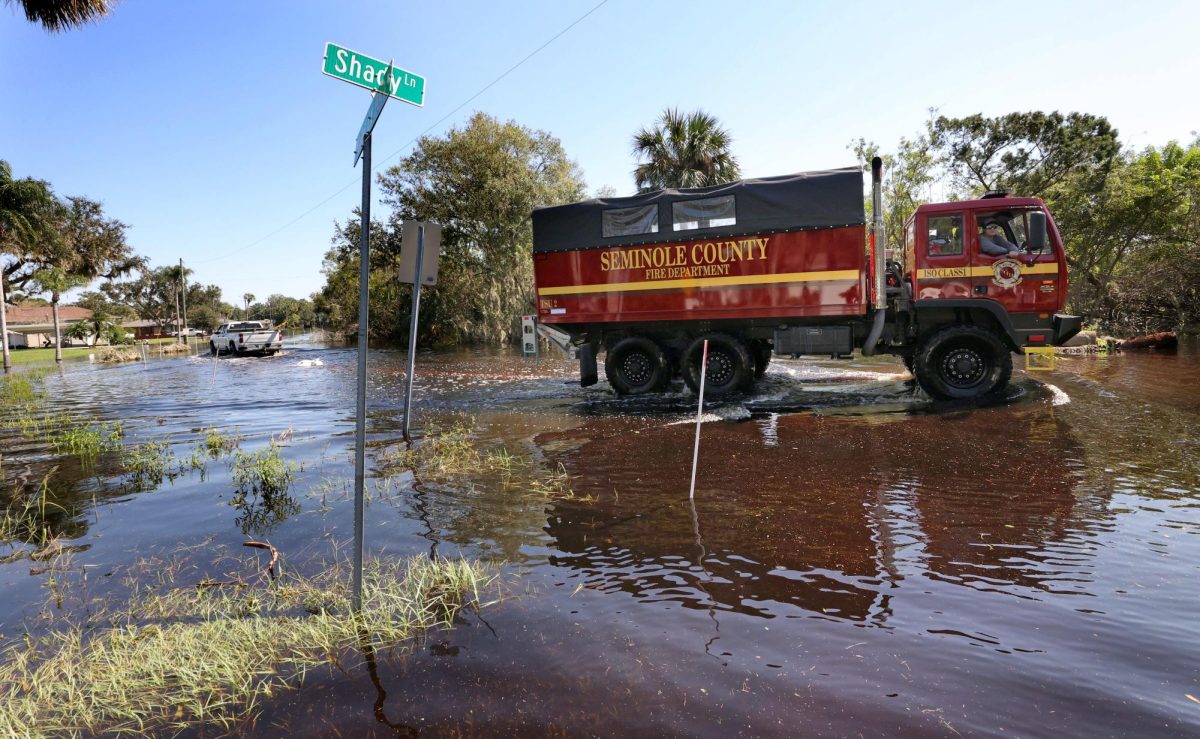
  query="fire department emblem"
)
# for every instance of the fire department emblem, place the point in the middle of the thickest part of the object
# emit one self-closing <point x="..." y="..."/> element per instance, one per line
<point x="1006" y="273"/>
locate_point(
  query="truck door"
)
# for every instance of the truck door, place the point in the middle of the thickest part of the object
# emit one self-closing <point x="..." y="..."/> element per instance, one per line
<point x="943" y="265"/>
<point x="1026" y="283"/>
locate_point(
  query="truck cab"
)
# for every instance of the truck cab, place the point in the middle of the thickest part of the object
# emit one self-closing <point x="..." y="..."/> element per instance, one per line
<point x="944" y="260"/>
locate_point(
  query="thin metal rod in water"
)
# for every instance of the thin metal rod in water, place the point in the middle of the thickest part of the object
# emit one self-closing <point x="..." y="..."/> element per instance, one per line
<point x="412" y="332"/>
<point x="699" y="413"/>
<point x="360" y="408"/>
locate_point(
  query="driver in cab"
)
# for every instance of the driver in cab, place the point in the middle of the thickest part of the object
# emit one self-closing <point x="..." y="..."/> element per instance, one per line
<point x="993" y="243"/>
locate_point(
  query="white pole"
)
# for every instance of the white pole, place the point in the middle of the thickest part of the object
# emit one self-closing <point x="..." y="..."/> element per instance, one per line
<point x="699" y="413"/>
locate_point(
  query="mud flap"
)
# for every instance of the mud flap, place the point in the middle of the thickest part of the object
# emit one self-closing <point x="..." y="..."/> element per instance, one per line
<point x="587" y="365"/>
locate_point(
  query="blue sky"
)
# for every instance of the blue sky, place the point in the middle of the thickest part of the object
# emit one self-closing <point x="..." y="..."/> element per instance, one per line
<point x="208" y="127"/>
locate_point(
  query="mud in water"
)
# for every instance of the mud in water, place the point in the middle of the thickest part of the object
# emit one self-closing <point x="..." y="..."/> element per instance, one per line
<point x="857" y="560"/>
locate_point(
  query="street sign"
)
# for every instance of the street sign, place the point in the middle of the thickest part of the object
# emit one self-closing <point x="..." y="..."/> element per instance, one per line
<point x="377" y="102"/>
<point x="364" y="71"/>
<point x="429" y="256"/>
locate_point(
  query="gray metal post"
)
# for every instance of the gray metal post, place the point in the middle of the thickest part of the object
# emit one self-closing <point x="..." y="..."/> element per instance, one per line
<point x="412" y="331"/>
<point x="360" y="417"/>
<point x="4" y="323"/>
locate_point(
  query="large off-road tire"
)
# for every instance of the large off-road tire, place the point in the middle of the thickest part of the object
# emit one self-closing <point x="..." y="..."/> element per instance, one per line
<point x="730" y="365"/>
<point x="636" y="365"/>
<point x="762" y="358"/>
<point x="963" y="361"/>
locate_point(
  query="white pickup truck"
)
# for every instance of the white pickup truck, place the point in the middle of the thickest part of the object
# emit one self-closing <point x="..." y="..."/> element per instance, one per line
<point x="245" y="337"/>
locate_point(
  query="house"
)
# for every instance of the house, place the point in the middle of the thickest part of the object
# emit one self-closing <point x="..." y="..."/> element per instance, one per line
<point x="33" y="325"/>
<point x="142" y="329"/>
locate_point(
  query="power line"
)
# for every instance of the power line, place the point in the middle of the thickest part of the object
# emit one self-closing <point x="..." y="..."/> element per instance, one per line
<point x="410" y="142"/>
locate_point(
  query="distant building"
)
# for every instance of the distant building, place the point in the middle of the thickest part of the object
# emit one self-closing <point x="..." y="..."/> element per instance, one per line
<point x="33" y="326"/>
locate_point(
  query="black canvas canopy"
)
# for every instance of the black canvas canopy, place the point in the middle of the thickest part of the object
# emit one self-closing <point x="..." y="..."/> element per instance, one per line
<point x="807" y="200"/>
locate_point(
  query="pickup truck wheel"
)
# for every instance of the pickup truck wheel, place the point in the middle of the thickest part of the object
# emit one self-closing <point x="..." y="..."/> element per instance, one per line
<point x="233" y="348"/>
<point x="962" y="361"/>
<point x="636" y="365"/>
<point x="212" y="349"/>
<point x="730" y="366"/>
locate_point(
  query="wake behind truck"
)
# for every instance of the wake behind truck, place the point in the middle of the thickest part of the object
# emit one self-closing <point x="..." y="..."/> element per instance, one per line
<point x="780" y="265"/>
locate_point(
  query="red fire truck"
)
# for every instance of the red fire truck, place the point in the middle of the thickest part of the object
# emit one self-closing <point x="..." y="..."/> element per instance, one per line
<point x="781" y="265"/>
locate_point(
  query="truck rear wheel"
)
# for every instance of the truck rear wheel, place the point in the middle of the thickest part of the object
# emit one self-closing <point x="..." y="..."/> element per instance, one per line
<point x="730" y="365"/>
<point x="636" y="365"/>
<point x="963" y="361"/>
<point x="762" y="358"/>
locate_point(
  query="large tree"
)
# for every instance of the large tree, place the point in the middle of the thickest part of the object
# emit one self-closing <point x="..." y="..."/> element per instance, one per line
<point x="24" y="207"/>
<point x="907" y="175"/>
<point x="86" y="246"/>
<point x="60" y="15"/>
<point x="1026" y="153"/>
<point x="480" y="182"/>
<point x="683" y="150"/>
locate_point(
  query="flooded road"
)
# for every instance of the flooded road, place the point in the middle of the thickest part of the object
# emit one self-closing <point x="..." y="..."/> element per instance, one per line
<point x="857" y="560"/>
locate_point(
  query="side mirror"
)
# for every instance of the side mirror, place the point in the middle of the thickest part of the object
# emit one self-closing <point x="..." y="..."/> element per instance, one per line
<point x="1037" y="231"/>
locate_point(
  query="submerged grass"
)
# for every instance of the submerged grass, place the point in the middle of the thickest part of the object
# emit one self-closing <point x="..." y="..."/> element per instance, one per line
<point x="263" y="473"/>
<point x="448" y="452"/>
<point x="177" y="657"/>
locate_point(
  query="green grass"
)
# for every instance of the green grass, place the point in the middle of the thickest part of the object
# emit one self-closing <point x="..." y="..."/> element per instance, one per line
<point x="87" y="441"/>
<point x="176" y="657"/>
<point x="46" y="355"/>
<point x="448" y="452"/>
<point x="263" y="473"/>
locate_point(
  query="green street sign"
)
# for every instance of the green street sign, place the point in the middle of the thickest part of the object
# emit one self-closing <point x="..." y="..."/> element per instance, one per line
<point x="364" y="71"/>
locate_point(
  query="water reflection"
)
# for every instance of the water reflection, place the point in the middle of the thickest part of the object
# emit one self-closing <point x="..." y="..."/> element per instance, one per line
<point x="827" y="517"/>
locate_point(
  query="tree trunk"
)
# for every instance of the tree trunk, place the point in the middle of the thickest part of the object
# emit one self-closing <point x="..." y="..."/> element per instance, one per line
<point x="4" y="323"/>
<point x="57" y="328"/>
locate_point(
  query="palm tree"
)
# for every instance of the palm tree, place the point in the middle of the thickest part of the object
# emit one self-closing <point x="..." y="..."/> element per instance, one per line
<point x="249" y="298"/>
<point x="60" y="15"/>
<point x="689" y="150"/>
<point x="23" y="204"/>
<point x="56" y="282"/>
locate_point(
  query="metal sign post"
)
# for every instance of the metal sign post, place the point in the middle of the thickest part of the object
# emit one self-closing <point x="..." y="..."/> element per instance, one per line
<point x="386" y="81"/>
<point x="419" y="249"/>
<point x="360" y="402"/>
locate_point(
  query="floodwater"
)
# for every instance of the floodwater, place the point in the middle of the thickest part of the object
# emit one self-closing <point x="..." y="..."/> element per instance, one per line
<point x="857" y="560"/>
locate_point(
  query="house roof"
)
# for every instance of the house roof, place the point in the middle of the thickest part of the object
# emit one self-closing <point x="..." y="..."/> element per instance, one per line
<point x="21" y="315"/>
<point x="140" y="323"/>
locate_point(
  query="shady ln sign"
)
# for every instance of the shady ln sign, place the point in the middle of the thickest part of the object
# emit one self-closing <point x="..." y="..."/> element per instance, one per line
<point x="364" y="71"/>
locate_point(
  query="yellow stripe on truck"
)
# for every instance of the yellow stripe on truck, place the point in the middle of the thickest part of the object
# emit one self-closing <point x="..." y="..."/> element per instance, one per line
<point x="618" y="287"/>
<point x="951" y="273"/>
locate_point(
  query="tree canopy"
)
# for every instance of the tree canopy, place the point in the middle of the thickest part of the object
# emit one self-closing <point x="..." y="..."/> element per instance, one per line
<point x="480" y="182"/>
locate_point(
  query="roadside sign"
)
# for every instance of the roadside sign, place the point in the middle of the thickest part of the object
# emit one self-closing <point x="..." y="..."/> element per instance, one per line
<point x="377" y="102"/>
<point x="364" y="71"/>
<point x="429" y="256"/>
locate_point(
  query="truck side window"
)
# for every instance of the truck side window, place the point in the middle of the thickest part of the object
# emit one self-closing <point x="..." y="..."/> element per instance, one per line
<point x="945" y="235"/>
<point x="642" y="219"/>
<point x="706" y="213"/>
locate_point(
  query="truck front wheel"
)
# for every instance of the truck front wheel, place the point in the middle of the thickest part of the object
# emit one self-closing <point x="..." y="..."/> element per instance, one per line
<point x="963" y="361"/>
<point x="730" y="366"/>
<point x="636" y="365"/>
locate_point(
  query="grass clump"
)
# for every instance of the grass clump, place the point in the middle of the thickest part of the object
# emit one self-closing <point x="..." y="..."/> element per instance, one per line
<point x="87" y="441"/>
<point x="179" y="657"/>
<point x="217" y="444"/>
<point x="148" y="463"/>
<point x="263" y="473"/>
<point x="447" y="452"/>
